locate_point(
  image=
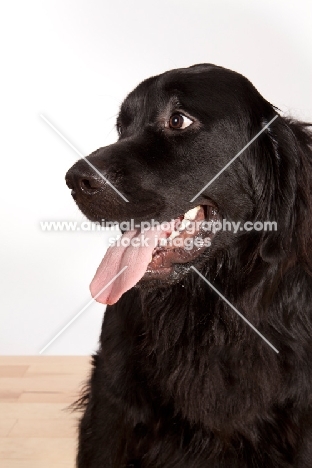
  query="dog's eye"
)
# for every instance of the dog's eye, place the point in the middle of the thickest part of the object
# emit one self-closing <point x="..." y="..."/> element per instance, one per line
<point x="179" y="121"/>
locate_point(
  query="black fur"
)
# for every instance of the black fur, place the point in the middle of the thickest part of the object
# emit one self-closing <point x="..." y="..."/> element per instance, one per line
<point x="181" y="381"/>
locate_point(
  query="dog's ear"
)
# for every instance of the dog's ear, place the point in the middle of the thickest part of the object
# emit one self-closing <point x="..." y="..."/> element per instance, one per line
<point x="282" y="166"/>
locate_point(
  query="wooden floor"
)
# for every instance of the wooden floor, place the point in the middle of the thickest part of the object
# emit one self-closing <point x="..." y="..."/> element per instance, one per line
<point x="36" y="431"/>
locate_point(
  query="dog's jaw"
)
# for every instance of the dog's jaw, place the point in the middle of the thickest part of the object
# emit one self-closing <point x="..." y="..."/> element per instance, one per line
<point x="154" y="253"/>
<point x="193" y="234"/>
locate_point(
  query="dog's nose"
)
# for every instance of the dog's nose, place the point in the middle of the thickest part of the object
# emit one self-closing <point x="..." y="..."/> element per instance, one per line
<point x="84" y="182"/>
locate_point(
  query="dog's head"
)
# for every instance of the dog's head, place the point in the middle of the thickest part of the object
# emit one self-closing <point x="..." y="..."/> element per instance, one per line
<point x="177" y="132"/>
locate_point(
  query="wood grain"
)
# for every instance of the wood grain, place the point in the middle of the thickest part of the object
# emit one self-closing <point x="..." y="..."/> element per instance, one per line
<point x="36" y="427"/>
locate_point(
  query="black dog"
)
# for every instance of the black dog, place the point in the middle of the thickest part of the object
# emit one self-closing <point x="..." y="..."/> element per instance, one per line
<point x="180" y="379"/>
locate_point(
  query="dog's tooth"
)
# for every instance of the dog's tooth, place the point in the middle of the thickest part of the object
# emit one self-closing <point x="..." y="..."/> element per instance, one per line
<point x="191" y="214"/>
<point x="173" y="235"/>
<point x="184" y="224"/>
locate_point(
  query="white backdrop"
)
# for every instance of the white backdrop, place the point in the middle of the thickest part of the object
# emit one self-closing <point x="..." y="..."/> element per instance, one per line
<point x="74" y="61"/>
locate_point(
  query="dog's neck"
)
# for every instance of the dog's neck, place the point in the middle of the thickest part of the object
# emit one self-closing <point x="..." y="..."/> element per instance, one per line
<point x="186" y="342"/>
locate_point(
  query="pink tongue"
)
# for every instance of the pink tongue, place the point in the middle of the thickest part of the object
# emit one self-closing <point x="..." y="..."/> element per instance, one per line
<point x="128" y="256"/>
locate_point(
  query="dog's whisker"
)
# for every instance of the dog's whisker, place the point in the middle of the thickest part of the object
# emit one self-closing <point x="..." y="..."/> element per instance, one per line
<point x="83" y="157"/>
<point x="179" y="379"/>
